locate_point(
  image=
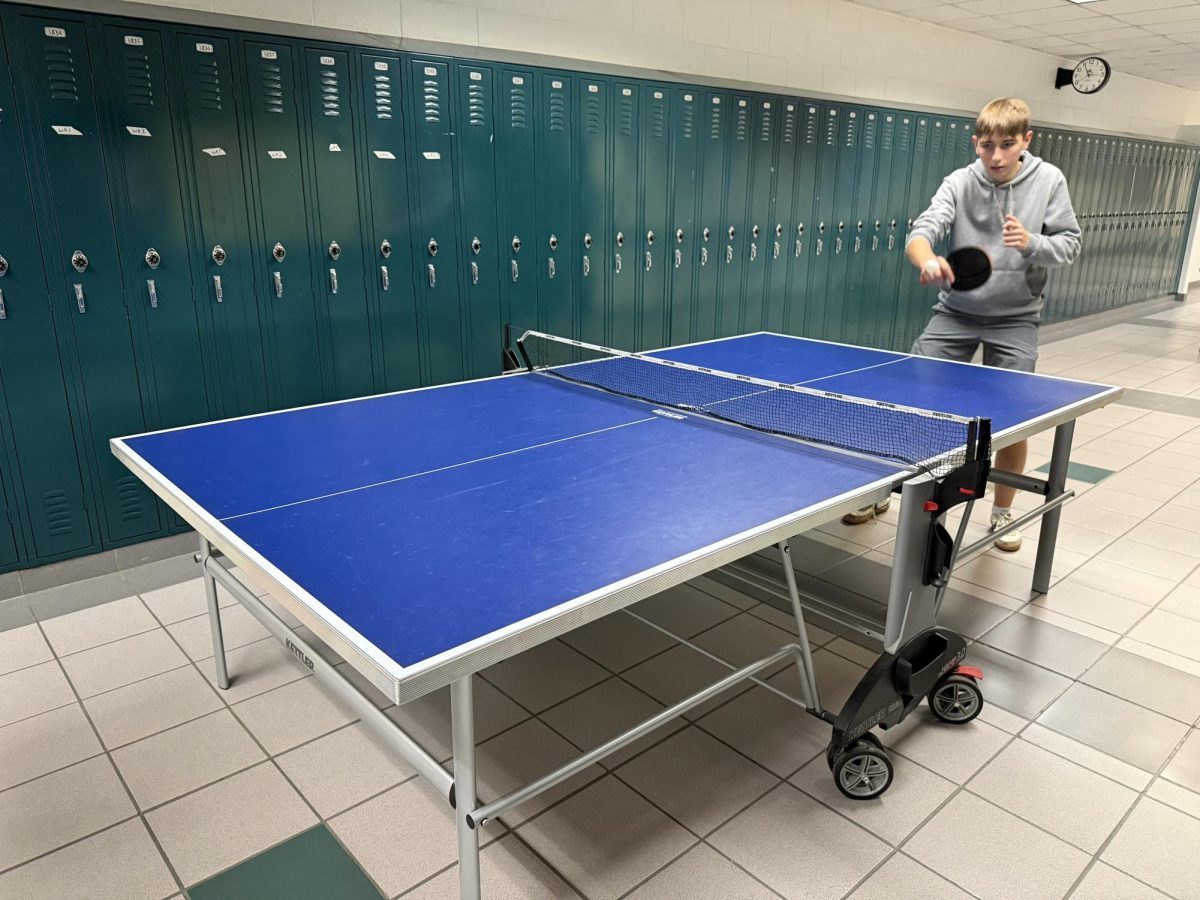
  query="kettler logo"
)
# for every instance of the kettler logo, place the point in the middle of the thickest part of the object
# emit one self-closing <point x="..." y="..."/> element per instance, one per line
<point x="299" y="654"/>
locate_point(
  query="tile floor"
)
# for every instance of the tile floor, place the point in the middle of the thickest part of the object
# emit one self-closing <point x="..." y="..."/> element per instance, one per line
<point x="124" y="773"/>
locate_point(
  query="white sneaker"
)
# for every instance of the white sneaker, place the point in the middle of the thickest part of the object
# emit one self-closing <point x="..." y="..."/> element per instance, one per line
<point x="1010" y="538"/>
<point x="867" y="513"/>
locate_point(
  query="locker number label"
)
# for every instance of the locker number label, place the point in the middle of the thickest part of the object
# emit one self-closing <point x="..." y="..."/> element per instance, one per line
<point x="517" y="79"/>
<point x="328" y="61"/>
<point x="477" y="76"/>
<point x="276" y="154"/>
<point x="385" y="154"/>
<point x="432" y="154"/>
<point x="67" y="130"/>
<point x="213" y="151"/>
<point x="202" y="47"/>
<point x="335" y="148"/>
<point x="269" y="54"/>
<point x="687" y="97"/>
<point x="135" y="40"/>
<point x="430" y="70"/>
<point x="557" y="85"/>
<point x="593" y="88"/>
<point x="627" y="92"/>
<point x="138" y="130"/>
<point x="381" y="67"/>
<point x="55" y="32"/>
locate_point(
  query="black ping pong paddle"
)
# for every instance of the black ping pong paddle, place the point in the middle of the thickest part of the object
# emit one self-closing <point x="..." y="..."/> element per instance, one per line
<point x="971" y="267"/>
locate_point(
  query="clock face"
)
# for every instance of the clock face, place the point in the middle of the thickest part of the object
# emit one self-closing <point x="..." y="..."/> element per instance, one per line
<point x="1090" y="75"/>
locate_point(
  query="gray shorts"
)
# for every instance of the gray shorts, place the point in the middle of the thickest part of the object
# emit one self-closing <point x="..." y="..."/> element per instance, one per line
<point x="1007" y="344"/>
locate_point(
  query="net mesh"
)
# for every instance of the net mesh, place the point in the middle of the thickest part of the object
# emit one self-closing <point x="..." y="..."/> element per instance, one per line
<point x="928" y="441"/>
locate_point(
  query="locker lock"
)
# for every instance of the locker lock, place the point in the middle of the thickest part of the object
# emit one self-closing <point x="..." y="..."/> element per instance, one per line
<point x="335" y="250"/>
<point x="278" y="251"/>
<point x="841" y="227"/>
<point x="554" y="242"/>
<point x="706" y="233"/>
<point x="516" y="243"/>
<point x="650" y="238"/>
<point x="385" y="248"/>
<point x="732" y="232"/>
<point x="432" y="247"/>
<point x="152" y="258"/>
<point x="860" y="225"/>
<point x="79" y="261"/>
<point x="476" y="245"/>
<point x="755" y="231"/>
<point x="778" y="229"/>
<point x="800" y="230"/>
<point x="821" y="228"/>
<point x="679" y="235"/>
<point x="620" y="239"/>
<point x="878" y="224"/>
<point x="3" y="266"/>
<point x="218" y="255"/>
<point x="587" y="241"/>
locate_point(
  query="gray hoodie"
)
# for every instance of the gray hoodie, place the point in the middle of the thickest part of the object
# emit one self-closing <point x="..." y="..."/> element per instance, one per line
<point x="970" y="208"/>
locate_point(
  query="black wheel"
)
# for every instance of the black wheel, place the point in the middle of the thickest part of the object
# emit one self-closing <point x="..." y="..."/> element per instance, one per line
<point x="862" y="771"/>
<point x="956" y="699"/>
<point x="831" y="751"/>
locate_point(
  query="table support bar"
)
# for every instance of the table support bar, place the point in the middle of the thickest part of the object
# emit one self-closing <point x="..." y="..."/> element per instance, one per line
<point x="391" y="733"/>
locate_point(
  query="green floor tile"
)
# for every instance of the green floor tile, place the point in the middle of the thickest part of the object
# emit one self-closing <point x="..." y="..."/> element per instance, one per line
<point x="1081" y="472"/>
<point x="310" y="866"/>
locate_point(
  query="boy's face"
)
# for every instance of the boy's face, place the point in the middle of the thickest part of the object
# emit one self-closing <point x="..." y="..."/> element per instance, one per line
<point x="1000" y="153"/>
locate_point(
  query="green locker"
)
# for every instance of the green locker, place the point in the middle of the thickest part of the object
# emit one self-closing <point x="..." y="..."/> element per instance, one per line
<point x="335" y="220"/>
<point x="1105" y="225"/>
<point x="223" y="260"/>
<point x="857" y="309"/>
<point x="760" y="235"/>
<point x="821" y="310"/>
<point x="783" y="216"/>
<point x="389" y="230"/>
<point x="86" y="286"/>
<point x="878" y="295"/>
<point x="9" y="554"/>
<point x="294" y="351"/>
<point x="432" y="176"/>
<point x="515" y="157"/>
<point x="710" y="212"/>
<point x="683" y="240"/>
<point x="554" y="247"/>
<point x="154" y="241"/>
<point x="841" y="231"/>
<point x="913" y="300"/>
<point x="593" y="142"/>
<point x="655" y="173"/>
<point x="44" y="480"/>
<point x="474" y="120"/>
<point x="804" y="191"/>
<point x="626" y="190"/>
<point x="735" y="231"/>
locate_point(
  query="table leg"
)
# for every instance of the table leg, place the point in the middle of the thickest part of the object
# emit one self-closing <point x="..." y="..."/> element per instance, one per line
<point x="462" y="717"/>
<point x="214" y="617"/>
<point x="808" y="674"/>
<point x="1055" y="485"/>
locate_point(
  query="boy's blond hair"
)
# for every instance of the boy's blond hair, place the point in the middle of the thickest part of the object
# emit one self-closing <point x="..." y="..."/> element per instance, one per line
<point x="1003" y="117"/>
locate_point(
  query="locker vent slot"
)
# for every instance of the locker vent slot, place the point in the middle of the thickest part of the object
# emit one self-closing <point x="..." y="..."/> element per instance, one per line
<point x="810" y="128"/>
<point x="935" y="139"/>
<point x="558" y="111"/>
<point x="714" y="123"/>
<point x="60" y="73"/>
<point x="888" y="138"/>
<point x="830" y="130"/>
<point x="139" y="90"/>
<point x="331" y="94"/>
<point x="431" y="92"/>
<point x="851" y="131"/>
<point x="272" y="87"/>
<point x="764" y="131"/>
<point x="869" y="134"/>
<point x="208" y="80"/>
<point x="517" y="112"/>
<point x="625" y="116"/>
<point x="922" y="140"/>
<point x="789" y="127"/>
<point x="58" y="512"/>
<point x="658" y="119"/>
<point x="383" y="97"/>
<point x="741" y="124"/>
<point x="593" y="115"/>
<point x="129" y="499"/>
<point x="689" y="120"/>
<point x="476" y="110"/>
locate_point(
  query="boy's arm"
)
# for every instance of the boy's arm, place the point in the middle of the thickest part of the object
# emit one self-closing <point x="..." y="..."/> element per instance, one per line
<point x="934" y="223"/>
<point x="1058" y="244"/>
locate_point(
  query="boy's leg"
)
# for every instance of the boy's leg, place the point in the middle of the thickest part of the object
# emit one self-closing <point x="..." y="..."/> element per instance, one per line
<point x="1009" y="345"/>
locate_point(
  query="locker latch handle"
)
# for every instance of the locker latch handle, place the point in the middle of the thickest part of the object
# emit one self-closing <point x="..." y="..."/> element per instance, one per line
<point x="153" y="292"/>
<point x="278" y="278"/>
<point x="798" y="249"/>
<point x="857" y="243"/>
<point x="649" y="261"/>
<point x="874" y="242"/>
<point x="678" y="257"/>
<point x="432" y="275"/>
<point x="704" y="256"/>
<point x="820" y="245"/>
<point x="729" y="253"/>
<point x="474" y="272"/>
<point x="3" y="310"/>
<point x="217" y="289"/>
<point x="837" y="247"/>
<point x="550" y="267"/>
<point x="516" y="271"/>
<point x="617" y="259"/>
<point x="333" y="281"/>
<point x="753" y="252"/>
<point x="587" y="266"/>
<point x="383" y="277"/>
<point x="776" y="251"/>
<point x="79" y="301"/>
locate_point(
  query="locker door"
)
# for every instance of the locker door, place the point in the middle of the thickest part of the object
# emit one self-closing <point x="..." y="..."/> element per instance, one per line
<point x="799" y="299"/>
<point x="336" y="223"/>
<point x="439" y="313"/>
<point x="841" y="240"/>
<point x="710" y="212"/>
<point x="477" y="246"/>
<point x="294" y="350"/>
<point x="87" y="289"/>
<point x="896" y="275"/>
<point x="154" y="239"/>
<point x="735" y="231"/>
<point x="224" y="255"/>
<point x="821" y="308"/>
<point x="857" y="308"/>
<point x="555" y="249"/>
<point x="784" y="218"/>
<point x="9" y="554"/>
<point x="760" y="234"/>
<point x="594" y="249"/>
<point x="683" y="238"/>
<point x="623" y="241"/>
<point x="653" y="241"/>
<point x="515" y="155"/>
<point x="878" y="304"/>
<point x="913" y="301"/>
<point x="389" y="230"/>
<point x="44" y="475"/>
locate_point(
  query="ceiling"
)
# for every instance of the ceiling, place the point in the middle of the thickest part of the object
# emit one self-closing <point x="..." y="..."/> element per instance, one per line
<point x="1154" y="39"/>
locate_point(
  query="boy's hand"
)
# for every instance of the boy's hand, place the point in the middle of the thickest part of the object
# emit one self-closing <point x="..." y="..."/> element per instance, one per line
<point x="1015" y="235"/>
<point x="935" y="271"/>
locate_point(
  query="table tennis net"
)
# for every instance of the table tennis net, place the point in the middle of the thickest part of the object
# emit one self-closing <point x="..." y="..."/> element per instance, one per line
<point x="928" y="441"/>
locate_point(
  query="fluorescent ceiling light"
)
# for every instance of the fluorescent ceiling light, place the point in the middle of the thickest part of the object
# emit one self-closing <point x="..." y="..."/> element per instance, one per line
<point x="1081" y="1"/>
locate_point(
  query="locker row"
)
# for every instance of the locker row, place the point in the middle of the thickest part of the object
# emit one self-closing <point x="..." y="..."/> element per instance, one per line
<point x="201" y="224"/>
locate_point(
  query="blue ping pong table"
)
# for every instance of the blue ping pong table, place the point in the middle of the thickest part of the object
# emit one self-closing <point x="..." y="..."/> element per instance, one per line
<point x="426" y="535"/>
